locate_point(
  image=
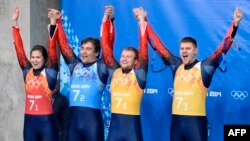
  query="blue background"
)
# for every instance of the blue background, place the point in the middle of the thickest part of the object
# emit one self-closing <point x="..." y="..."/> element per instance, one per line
<point x="205" y="20"/>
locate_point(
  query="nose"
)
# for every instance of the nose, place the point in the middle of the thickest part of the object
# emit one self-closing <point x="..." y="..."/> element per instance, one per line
<point x="34" y="59"/>
<point x="83" y="50"/>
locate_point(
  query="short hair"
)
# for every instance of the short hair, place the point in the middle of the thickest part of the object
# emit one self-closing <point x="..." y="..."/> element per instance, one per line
<point x="42" y="49"/>
<point x="133" y="49"/>
<point x="189" y="40"/>
<point x="95" y="42"/>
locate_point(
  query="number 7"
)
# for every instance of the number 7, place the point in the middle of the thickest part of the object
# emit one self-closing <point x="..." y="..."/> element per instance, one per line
<point x="179" y="102"/>
<point x="32" y="104"/>
<point x="77" y="92"/>
<point x="119" y="100"/>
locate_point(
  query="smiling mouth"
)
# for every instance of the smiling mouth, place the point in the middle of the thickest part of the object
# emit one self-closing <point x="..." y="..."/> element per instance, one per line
<point x="124" y="62"/>
<point x="84" y="57"/>
<point x="185" y="56"/>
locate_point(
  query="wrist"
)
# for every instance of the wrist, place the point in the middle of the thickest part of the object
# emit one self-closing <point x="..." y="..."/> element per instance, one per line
<point x="236" y="23"/>
<point x="53" y="23"/>
<point x="14" y="24"/>
<point x="140" y="20"/>
<point x="112" y="19"/>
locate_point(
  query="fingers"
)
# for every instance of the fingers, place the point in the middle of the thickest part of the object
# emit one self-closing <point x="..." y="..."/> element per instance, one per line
<point x="136" y="12"/>
<point x="15" y="16"/>
<point x="139" y="13"/>
<point x="16" y="13"/>
<point x="17" y="10"/>
<point x="238" y="11"/>
<point x="53" y="13"/>
<point x="238" y="15"/>
<point x="109" y="10"/>
<point x="108" y="6"/>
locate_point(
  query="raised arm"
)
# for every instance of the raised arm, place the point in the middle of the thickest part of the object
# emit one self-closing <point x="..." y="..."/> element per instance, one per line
<point x="228" y="39"/>
<point x="140" y="15"/>
<point x="209" y="65"/>
<point x="158" y="45"/>
<point x="18" y="43"/>
<point x="107" y="38"/>
<point x="169" y="59"/>
<point x="52" y="53"/>
<point x="68" y="54"/>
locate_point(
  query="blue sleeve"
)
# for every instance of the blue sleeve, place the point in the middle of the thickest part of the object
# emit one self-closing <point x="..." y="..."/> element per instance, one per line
<point x="141" y="76"/>
<point x="51" y="75"/>
<point x="102" y="71"/>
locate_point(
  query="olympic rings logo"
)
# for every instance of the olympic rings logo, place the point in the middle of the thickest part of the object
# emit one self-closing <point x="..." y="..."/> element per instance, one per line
<point x="33" y="82"/>
<point x="82" y="72"/>
<point x="171" y="91"/>
<point x="239" y="94"/>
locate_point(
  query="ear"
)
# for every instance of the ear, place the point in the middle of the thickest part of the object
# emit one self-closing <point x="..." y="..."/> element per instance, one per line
<point x="96" y="54"/>
<point x="196" y="50"/>
<point x="136" y="61"/>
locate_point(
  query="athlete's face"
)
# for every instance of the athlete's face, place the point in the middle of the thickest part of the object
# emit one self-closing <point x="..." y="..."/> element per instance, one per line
<point x="127" y="60"/>
<point x="37" y="59"/>
<point x="188" y="52"/>
<point x="88" y="54"/>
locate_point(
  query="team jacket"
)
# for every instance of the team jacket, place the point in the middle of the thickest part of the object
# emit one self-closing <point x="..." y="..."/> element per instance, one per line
<point x="39" y="84"/>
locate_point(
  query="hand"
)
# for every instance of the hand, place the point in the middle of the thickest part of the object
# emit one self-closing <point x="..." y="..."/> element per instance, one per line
<point x="238" y="15"/>
<point x="136" y="13"/>
<point x="140" y="14"/>
<point x="53" y="15"/>
<point x="108" y="13"/>
<point x="15" y="16"/>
